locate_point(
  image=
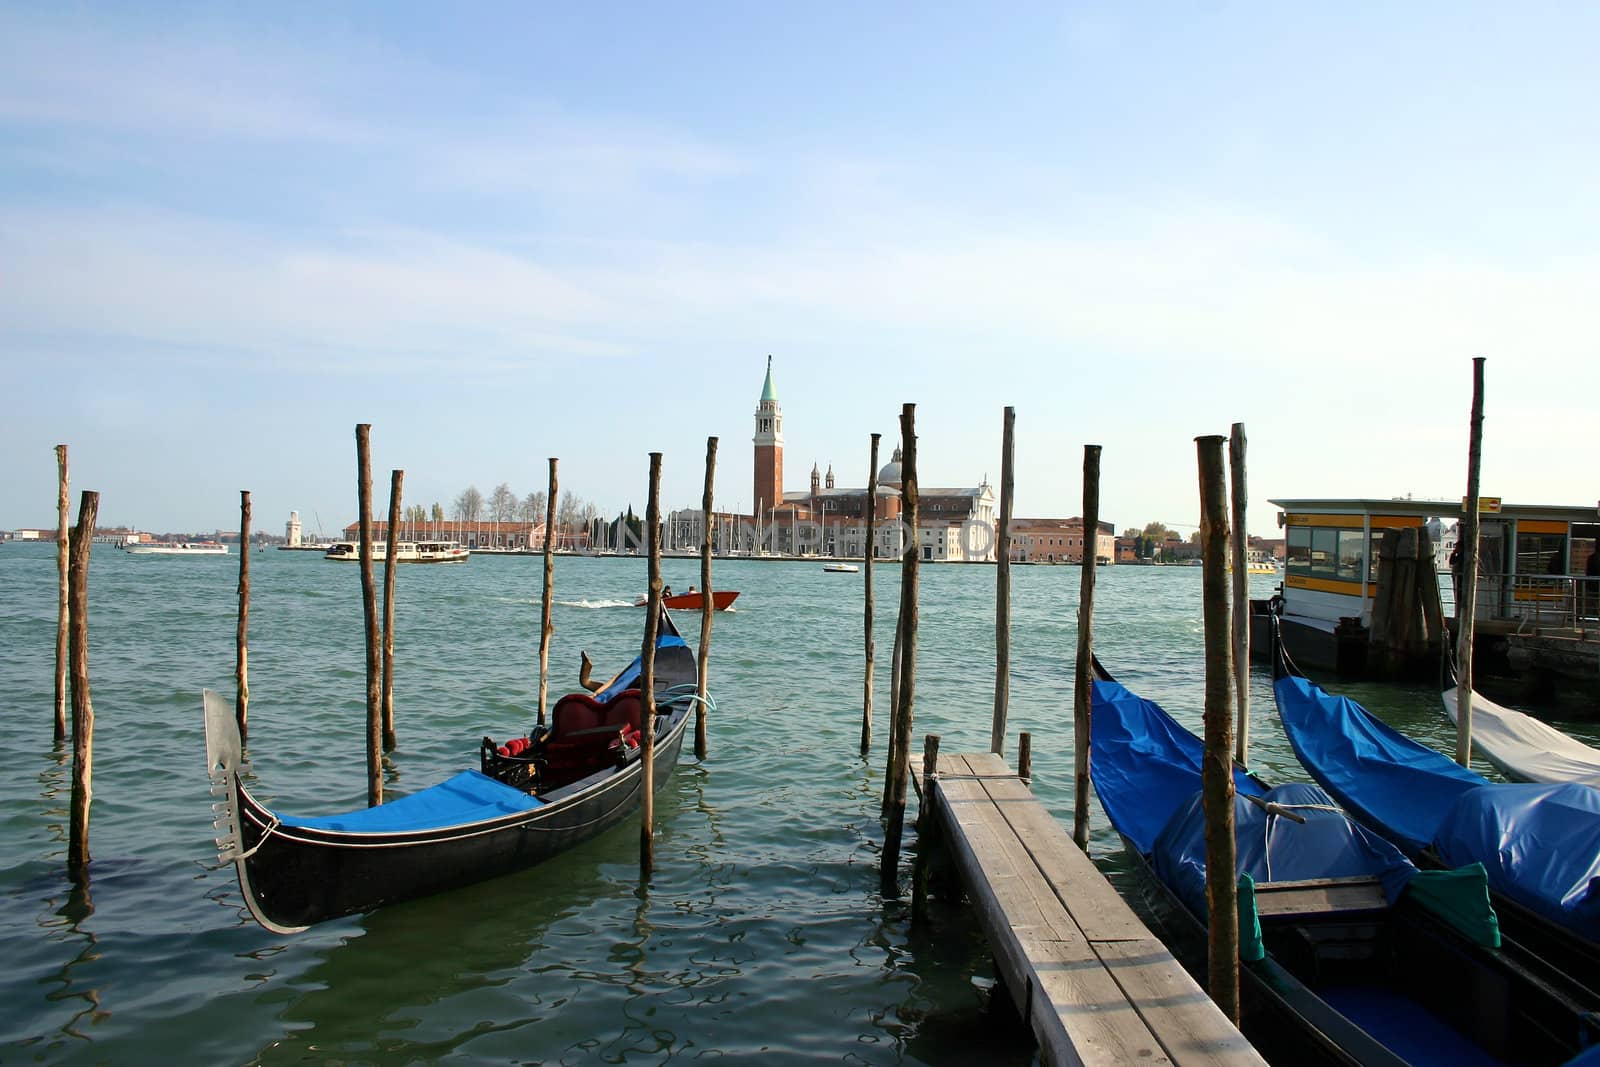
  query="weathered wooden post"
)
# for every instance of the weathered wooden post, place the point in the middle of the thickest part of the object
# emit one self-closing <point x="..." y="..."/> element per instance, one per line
<point x="369" y="603"/>
<point x="1002" y="586"/>
<point x="82" y="708"/>
<point x="545" y="628"/>
<point x="904" y="711"/>
<point x="241" y="666"/>
<point x="1025" y="757"/>
<point x="1466" y="610"/>
<point x="925" y="824"/>
<point x="1241" y="594"/>
<point x="869" y="551"/>
<point x="647" y="671"/>
<point x="390" y="560"/>
<point x="1216" y="768"/>
<point x="63" y="614"/>
<point x="1082" y="693"/>
<point x="707" y="608"/>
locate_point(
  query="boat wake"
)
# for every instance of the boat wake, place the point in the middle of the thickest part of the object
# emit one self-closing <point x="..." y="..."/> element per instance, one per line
<point x="595" y="603"/>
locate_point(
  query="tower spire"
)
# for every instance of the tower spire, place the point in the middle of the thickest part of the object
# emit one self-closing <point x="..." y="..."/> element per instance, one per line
<point x="769" y="447"/>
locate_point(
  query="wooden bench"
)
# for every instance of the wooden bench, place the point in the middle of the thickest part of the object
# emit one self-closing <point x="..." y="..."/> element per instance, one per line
<point x="1093" y="983"/>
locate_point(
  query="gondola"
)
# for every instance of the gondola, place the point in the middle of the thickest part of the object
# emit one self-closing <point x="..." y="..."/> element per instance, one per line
<point x="529" y="800"/>
<point x="1521" y="747"/>
<point x="1540" y="844"/>
<point x="1350" y="954"/>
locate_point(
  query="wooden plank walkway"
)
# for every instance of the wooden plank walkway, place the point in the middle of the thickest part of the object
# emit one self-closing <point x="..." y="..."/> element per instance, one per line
<point x="1094" y="984"/>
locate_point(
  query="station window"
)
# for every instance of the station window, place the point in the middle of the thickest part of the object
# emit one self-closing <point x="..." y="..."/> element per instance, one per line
<point x="1324" y="552"/>
<point x="1541" y="553"/>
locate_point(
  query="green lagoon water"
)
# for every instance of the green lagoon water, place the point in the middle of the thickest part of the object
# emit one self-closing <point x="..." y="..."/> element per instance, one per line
<point x="762" y="933"/>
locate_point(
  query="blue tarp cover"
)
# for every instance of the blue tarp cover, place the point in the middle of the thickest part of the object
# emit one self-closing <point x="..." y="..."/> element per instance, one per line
<point x="1388" y="780"/>
<point x="1277" y="849"/>
<point x="469" y="797"/>
<point x="629" y="678"/>
<point x="1145" y="765"/>
<point x="1539" y="843"/>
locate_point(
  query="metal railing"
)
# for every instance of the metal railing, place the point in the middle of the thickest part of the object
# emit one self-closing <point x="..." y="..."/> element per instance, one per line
<point x="1533" y="600"/>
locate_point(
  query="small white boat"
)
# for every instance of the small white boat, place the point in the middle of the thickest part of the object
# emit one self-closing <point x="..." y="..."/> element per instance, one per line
<point x="176" y="548"/>
<point x="405" y="552"/>
<point x="840" y="568"/>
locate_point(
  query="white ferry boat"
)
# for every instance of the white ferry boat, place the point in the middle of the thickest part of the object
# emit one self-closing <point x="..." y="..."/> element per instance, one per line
<point x="405" y="552"/>
<point x="175" y="548"/>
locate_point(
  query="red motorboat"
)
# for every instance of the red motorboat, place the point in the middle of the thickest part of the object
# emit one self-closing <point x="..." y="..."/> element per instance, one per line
<point x="721" y="600"/>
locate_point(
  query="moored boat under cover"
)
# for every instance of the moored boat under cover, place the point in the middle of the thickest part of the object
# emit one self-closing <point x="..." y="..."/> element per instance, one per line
<point x="1526" y="749"/>
<point x="1539" y="844"/>
<point x="1349" y="954"/>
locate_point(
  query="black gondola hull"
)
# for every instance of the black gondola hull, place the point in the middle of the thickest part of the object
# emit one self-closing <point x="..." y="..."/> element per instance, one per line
<point x="294" y="877"/>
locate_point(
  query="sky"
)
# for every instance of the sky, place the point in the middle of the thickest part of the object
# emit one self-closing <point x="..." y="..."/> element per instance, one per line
<point x="504" y="232"/>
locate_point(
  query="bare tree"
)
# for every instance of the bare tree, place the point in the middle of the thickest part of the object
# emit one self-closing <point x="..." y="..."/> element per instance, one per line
<point x="416" y="514"/>
<point x="469" y="505"/>
<point x="533" y="507"/>
<point x="567" y="512"/>
<point x="502" y="503"/>
<point x="438" y="512"/>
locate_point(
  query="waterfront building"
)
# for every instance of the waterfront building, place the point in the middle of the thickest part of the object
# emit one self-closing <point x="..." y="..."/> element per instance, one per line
<point x="1059" y="541"/>
<point x="826" y="519"/>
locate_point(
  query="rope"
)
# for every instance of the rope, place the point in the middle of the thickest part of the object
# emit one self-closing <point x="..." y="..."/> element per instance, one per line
<point x="251" y="851"/>
<point x="1273" y="818"/>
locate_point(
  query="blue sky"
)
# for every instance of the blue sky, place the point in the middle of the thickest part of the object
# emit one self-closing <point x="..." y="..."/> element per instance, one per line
<point x="504" y="232"/>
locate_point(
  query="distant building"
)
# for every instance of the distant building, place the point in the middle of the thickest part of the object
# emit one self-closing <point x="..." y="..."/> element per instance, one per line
<point x="828" y="520"/>
<point x="1059" y="541"/>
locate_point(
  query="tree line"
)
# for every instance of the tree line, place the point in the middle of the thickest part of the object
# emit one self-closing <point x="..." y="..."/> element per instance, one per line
<point x="504" y="505"/>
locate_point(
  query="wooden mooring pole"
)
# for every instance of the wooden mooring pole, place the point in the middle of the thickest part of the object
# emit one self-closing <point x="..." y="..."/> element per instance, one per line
<point x="1025" y="757"/>
<point x="545" y="628"/>
<point x="369" y="604"/>
<point x="1002" y="586"/>
<point x="63" y="613"/>
<point x="1466" y="609"/>
<point x="1084" y="674"/>
<point x="1216" y="768"/>
<point x="390" y="560"/>
<point x="925" y="827"/>
<point x="1241" y="595"/>
<point x="869" y="552"/>
<point x="241" y="665"/>
<point x="904" y="711"/>
<point x="707" y="608"/>
<point x="82" y="709"/>
<point x="647" y="665"/>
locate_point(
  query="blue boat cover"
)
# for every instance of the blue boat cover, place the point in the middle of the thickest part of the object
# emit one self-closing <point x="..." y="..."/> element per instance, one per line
<point x="1146" y="771"/>
<point x="1145" y="765"/>
<point x="1539" y="843"/>
<point x="1389" y="781"/>
<point x="469" y="797"/>
<point x="1275" y="849"/>
<point x="629" y="678"/>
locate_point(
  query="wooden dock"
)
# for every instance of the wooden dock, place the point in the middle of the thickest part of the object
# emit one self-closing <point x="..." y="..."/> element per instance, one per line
<point x="1094" y="984"/>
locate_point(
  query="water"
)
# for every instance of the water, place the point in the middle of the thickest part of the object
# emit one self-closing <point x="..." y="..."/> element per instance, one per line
<point x="762" y="933"/>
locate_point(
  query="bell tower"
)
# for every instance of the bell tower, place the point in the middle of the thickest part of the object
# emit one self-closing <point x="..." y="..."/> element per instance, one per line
<point x="769" y="450"/>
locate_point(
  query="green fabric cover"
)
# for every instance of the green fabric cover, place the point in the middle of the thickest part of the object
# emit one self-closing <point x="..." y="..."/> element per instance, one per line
<point x="1250" y="946"/>
<point x="1461" y="898"/>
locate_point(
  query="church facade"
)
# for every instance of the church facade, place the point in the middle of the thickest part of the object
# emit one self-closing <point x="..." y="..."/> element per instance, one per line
<point x="828" y="520"/>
